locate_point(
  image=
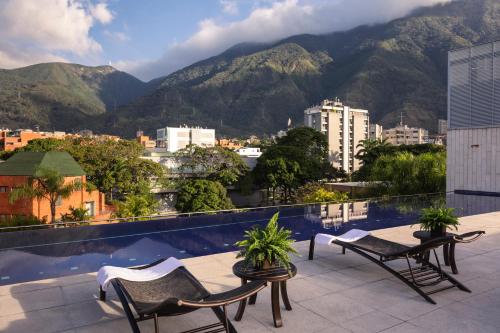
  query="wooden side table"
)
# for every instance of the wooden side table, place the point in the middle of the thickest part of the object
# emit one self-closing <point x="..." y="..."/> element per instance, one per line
<point x="277" y="276"/>
<point x="448" y="249"/>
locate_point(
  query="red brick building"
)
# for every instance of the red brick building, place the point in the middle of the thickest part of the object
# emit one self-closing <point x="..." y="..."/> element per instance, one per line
<point x="17" y="170"/>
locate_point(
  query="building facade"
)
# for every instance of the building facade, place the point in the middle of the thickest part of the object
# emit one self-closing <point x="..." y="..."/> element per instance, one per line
<point x="344" y="127"/>
<point x="376" y="132"/>
<point x="404" y="135"/>
<point x="229" y="144"/>
<point x="145" y="140"/>
<point x="11" y="140"/>
<point x="442" y="126"/>
<point x="473" y="136"/>
<point x="18" y="169"/>
<point x="176" y="138"/>
<point x="249" y="155"/>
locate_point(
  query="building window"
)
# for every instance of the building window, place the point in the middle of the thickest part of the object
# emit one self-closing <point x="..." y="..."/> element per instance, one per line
<point x="4" y="189"/>
<point x="59" y="201"/>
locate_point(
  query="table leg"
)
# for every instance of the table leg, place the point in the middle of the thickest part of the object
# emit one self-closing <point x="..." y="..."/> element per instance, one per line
<point x="252" y="299"/>
<point x="453" y="264"/>
<point x="241" y="306"/>
<point x="446" y="252"/>
<point x="284" y="296"/>
<point x="275" y="303"/>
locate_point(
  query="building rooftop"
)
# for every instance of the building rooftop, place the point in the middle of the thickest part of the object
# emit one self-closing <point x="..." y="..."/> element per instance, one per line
<point x="25" y="164"/>
<point x="333" y="293"/>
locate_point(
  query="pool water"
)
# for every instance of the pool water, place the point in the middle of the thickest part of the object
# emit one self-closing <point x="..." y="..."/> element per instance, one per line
<point x="40" y="254"/>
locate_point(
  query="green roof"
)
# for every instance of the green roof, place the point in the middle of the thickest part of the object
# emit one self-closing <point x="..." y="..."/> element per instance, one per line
<point x="25" y="164"/>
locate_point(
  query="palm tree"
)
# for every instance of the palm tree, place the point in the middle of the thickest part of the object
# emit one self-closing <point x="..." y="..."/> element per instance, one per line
<point x="371" y="150"/>
<point x="47" y="184"/>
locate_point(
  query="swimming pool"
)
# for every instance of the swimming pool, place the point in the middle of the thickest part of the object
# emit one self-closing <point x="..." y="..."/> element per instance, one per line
<point x="40" y="254"/>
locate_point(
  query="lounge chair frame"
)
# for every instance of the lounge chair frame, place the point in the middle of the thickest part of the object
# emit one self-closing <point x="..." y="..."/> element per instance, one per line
<point x="417" y="277"/>
<point x="216" y="302"/>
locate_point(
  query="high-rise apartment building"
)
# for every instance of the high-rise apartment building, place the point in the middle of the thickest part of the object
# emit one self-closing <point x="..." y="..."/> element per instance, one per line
<point x="442" y="126"/>
<point x="175" y="138"/>
<point x="473" y="147"/>
<point x="376" y="132"/>
<point x="404" y="135"/>
<point x="344" y="128"/>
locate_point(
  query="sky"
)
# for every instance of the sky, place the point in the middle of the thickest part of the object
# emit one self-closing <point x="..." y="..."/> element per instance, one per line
<point x="152" y="38"/>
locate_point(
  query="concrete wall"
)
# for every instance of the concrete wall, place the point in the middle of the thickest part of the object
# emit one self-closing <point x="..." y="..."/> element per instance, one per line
<point x="473" y="162"/>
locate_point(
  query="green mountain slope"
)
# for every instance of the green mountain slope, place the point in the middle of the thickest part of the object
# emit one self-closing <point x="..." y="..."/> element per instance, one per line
<point x="389" y="68"/>
<point x="63" y="96"/>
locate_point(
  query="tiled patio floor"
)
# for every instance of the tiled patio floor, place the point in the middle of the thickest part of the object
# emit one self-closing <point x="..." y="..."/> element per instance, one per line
<point x="333" y="293"/>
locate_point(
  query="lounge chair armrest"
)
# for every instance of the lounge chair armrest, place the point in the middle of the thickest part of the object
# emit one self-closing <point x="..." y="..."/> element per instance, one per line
<point x="227" y="297"/>
<point x="469" y="237"/>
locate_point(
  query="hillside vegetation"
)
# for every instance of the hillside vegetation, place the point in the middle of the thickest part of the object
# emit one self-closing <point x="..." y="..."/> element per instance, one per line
<point x="392" y="68"/>
<point x="63" y="96"/>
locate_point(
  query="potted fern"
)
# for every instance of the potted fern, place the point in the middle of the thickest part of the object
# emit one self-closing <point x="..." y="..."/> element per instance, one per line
<point x="267" y="247"/>
<point x="437" y="220"/>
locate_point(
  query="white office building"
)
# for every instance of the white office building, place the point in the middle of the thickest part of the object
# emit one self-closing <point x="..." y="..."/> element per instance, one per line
<point x="249" y="155"/>
<point x="473" y="147"/>
<point x="344" y="127"/>
<point x="176" y="138"/>
<point x="376" y="132"/>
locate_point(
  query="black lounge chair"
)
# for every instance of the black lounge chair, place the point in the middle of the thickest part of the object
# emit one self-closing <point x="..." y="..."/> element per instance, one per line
<point x="422" y="277"/>
<point x="175" y="294"/>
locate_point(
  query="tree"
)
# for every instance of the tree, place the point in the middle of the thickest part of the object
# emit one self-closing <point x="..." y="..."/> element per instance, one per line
<point x="282" y="174"/>
<point x="136" y="205"/>
<point x="46" y="184"/>
<point x="212" y="163"/>
<point x="299" y="157"/>
<point x="201" y="195"/>
<point x="315" y="192"/>
<point x="114" y="167"/>
<point x="371" y="150"/>
<point x="405" y="173"/>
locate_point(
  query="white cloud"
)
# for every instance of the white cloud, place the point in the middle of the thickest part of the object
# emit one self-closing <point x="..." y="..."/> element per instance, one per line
<point x="229" y="7"/>
<point x="116" y="35"/>
<point x="273" y="20"/>
<point x="45" y="30"/>
<point x="101" y="13"/>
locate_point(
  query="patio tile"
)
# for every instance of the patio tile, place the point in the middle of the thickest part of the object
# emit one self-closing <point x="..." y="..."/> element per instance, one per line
<point x="40" y="321"/>
<point x="371" y="322"/>
<point x="336" y="307"/>
<point x="29" y="301"/>
<point x="299" y="320"/>
<point x="304" y="289"/>
<point x="87" y="313"/>
<point x="455" y="318"/>
<point x="380" y="294"/>
<point x="405" y="328"/>
<point x="410" y="308"/>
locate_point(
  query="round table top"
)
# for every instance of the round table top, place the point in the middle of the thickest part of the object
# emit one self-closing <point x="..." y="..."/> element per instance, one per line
<point x="280" y="273"/>
<point x="422" y="234"/>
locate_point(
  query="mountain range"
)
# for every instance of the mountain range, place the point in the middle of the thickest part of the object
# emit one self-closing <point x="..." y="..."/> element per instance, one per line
<point x="395" y="68"/>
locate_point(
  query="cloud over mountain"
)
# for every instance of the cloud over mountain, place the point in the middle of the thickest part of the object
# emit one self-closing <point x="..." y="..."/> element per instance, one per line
<point x="270" y="21"/>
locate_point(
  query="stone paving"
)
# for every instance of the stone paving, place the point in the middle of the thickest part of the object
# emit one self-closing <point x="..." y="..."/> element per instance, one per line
<point x="333" y="293"/>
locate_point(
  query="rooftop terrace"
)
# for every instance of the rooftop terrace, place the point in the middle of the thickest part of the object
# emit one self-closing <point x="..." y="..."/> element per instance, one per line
<point x="333" y="293"/>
